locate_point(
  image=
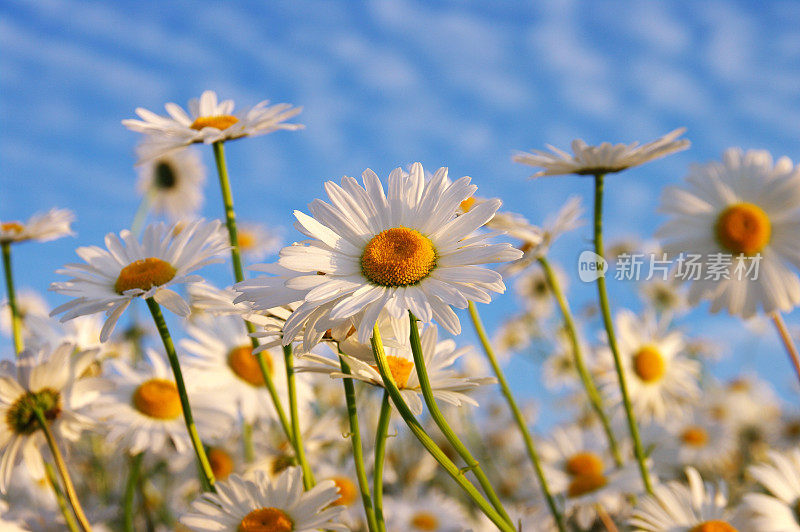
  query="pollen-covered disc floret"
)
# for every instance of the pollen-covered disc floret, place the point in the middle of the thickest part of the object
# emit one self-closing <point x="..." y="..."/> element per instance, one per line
<point x="207" y="121"/>
<point x="129" y="269"/>
<point x="266" y="505"/>
<point x="369" y="250"/>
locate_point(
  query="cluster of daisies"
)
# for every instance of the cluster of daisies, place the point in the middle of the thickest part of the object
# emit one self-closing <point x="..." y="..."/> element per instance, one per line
<point x="332" y="389"/>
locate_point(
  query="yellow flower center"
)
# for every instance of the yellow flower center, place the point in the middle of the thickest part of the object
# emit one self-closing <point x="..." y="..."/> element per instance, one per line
<point x="424" y="521"/>
<point x="348" y="494"/>
<point x="648" y="364"/>
<point x="220" y="122"/>
<point x="695" y="435"/>
<point x="713" y="526"/>
<point x="247" y="240"/>
<point x="21" y="417"/>
<point x="398" y="257"/>
<point x="743" y="228"/>
<point x="739" y="385"/>
<point x="221" y="462"/>
<point x="13" y="227"/>
<point x="400" y="369"/>
<point x="583" y="484"/>
<point x="158" y="398"/>
<point x="266" y="520"/>
<point x="585" y="463"/>
<point x="467" y="204"/>
<point x="245" y="365"/>
<point x="144" y="274"/>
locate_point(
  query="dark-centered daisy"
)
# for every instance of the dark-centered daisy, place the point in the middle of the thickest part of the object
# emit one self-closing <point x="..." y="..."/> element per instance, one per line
<point x="173" y="184"/>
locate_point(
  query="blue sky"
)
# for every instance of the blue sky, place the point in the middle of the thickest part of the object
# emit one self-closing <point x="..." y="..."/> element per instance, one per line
<point x="383" y="84"/>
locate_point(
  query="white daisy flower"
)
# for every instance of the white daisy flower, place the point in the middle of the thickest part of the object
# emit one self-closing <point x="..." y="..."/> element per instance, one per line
<point x="608" y="490"/>
<point x="428" y="512"/>
<point x="256" y="241"/>
<point x="439" y="357"/>
<point x="745" y="210"/>
<point x="50" y="381"/>
<point x="534" y="290"/>
<point x="661" y="379"/>
<point x="207" y="121"/>
<point x="173" y="184"/>
<point x="344" y="476"/>
<point x="747" y="404"/>
<point x="112" y="278"/>
<point x="32" y="310"/>
<point x="279" y="506"/>
<point x="776" y="510"/>
<point x="42" y="227"/>
<point x="603" y="159"/>
<point x="222" y="363"/>
<point x="142" y="411"/>
<point x="675" y="507"/>
<point x="572" y="452"/>
<point x="407" y="251"/>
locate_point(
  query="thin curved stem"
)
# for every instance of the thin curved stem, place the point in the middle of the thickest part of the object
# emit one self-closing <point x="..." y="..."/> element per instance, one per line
<point x="577" y="356"/>
<point x="61" y="466"/>
<point x="207" y="475"/>
<point x="69" y="518"/>
<point x="238" y="275"/>
<point x="605" y="310"/>
<point x="444" y="426"/>
<point x="530" y="446"/>
<point x="16" y="321"/>
<point x="419" y="432"/>
<point x="141" y="214"/>
<point x="380" y="453"/>
<point x="297" y="437"/>
<point x="788" y="343"/>
<point x="358" y="449"/>
<point x="135" y="468"/>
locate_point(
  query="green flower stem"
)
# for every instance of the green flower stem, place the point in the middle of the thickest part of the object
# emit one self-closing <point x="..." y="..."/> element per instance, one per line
<point x="444" y="426"/>
<point x="358" y="449"/>
<point x="520" y="420"/>
<point x="61" y="466"/>
<point x="297" y="438"/>
<point x="238" y="274"/>
<point x="16" y="321"/>
<point x="207" y="475"/>
<point x="247" y="441"/>
<point x="69" y="519"/>
<point x="612" y="339"/>
<point x="577" y="355"/>
<point x="419" y="432"/>
<point x="380" y="453"/>
<point x="135" y="468"/>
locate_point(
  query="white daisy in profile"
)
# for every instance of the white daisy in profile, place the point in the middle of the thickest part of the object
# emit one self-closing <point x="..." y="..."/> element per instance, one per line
<point x="142" y="410"/>
<point x="606" y="158"/>
<point x="221" y="362"/>
<point x="661" y="379"/>
<point x="275" y="506"/>
<point x="48" y="381"/>
<point x="427" y="512"/>
<point x="744" y="210"/>
<point x="406" y="251"/>
<point x="207" y="121"/>
<point x="173" y="184"/>
<point x="41" y="227"/>
<point x="256" y="241"/>
<point x="777" y="510"/>
<point x="675" y="507"/>
<point x="447" y="384"/>
<point x="112" y="278"/>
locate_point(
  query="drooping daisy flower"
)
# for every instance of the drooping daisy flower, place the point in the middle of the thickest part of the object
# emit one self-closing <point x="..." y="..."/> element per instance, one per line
<point x="256" y="241"/>
<point x="778" y="510"/>
<point x="48" y="381"/>
<point x="142" y="410"/>
<point x="42" y="227"/>
<point x="439" y="357"/>
<point x="675" y="507"/>
<point x="173" y="184"/>
<point x="112" y="278"/>
<point x="207" y="121"/>
<point x="744" y="210"/>
<point x="222" y="363"/>
<point x="603" y="159"/>
<point x="279" y="506"/>
<point x="661" y="379"/>
<point x="405" y="251"/>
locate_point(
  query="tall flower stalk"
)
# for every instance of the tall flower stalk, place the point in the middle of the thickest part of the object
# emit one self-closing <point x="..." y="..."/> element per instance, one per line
<point x="612" y="338"/>
<point x="381" y="434"/>
<point x="69" y="517"/>
<point x="530" y="446"/>
<point x="787" y="341"/>
<point x="16" y="320"/>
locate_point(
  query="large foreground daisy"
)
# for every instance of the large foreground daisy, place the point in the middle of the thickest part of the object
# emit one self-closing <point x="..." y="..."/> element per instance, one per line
<point x="744" y="210"/>
<point x="403" y="251"/>
<point x="276" y="506"/>
<point x="112" y="278"/>
<point x="207" y="121"/>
